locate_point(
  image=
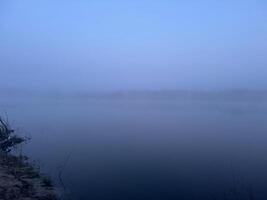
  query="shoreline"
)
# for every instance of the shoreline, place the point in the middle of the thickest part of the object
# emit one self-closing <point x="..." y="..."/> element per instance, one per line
<point x="20" y="180"/>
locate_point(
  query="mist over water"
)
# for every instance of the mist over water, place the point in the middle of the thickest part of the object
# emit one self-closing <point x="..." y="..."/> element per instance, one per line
<point x="147" y="148"/>
<point x="140" y="99"/>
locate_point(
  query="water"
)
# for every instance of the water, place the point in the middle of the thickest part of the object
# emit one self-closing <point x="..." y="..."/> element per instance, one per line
<point x="147" y="149"/>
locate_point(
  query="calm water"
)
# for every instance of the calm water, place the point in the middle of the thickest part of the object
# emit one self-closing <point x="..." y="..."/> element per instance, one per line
<point x="145" y="149"/>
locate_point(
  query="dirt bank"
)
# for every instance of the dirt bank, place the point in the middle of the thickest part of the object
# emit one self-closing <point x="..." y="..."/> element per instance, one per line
<point x="19" y="180"/>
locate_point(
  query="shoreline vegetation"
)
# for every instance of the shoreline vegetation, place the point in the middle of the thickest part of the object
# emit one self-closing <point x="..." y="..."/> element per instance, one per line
<point x="19" y="179"/>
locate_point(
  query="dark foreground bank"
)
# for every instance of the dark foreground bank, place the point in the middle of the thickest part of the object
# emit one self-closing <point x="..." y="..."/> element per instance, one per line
<point x="19" y="180"/>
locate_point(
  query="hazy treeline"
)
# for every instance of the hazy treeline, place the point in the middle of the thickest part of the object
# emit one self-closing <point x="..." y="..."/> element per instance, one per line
<point x="234" y="94"/>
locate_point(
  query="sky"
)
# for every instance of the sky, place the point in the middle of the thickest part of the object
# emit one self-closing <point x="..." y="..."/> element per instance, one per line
<point x="74" y="45"/>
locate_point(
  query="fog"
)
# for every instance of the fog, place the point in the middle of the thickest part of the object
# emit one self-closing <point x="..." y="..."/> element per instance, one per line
<point x="135" y="100"/>
<point x="132" y="45"/>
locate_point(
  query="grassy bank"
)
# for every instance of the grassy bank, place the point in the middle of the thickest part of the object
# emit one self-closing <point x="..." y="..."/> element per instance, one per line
<point x="19" y="180"/>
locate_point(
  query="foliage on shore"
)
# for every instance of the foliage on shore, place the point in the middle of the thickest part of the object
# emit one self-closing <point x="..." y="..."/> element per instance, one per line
<point x="19" y="180"/>
<point x="8" y="139"/>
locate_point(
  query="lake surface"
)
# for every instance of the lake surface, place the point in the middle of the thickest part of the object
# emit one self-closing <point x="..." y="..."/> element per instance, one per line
<point x="147" y="149"/>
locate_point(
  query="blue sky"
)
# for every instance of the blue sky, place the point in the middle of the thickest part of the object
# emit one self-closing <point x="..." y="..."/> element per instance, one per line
<point x="116" y="44"/>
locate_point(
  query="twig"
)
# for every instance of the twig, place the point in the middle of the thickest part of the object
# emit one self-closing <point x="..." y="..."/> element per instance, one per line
<point x="61" y="172"/>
